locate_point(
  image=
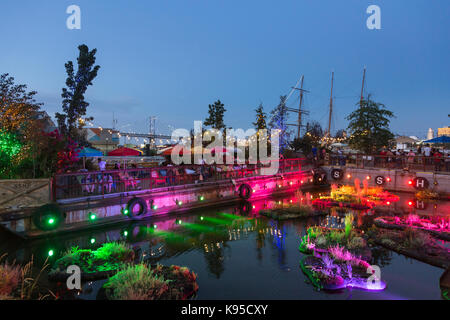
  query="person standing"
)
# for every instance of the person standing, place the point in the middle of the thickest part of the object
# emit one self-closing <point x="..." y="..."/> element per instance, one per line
<point x="101" y="164"/>
<point x="100" y="177"/>
<point x="411" y="155"/>
<point x="427" y="154"/>
<point x="437" y="160"/>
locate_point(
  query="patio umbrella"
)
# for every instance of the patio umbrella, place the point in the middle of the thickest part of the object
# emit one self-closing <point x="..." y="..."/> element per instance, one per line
<point x="141" y="153"/>
<point x="168" y="152"/>
<point x="441" y="139"/>
<point x="89" y="152"/>
<point x="121" y="152"/>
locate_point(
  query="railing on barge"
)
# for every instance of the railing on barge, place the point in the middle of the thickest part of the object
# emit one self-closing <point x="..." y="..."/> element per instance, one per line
<point x="412" y="163"/>
<point x="84" y="184"/>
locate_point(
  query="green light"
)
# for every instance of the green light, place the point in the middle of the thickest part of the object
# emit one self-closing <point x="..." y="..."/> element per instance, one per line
<point x="155" y="226"/>
<point x="51" y="221"/>
<point x="179" y="221"/>
<point x="50" y="253"/>
<point x="92" y="216"/>
<point x="201" y="198"/>
<point x="125" y="211"/>
<point x="92" y="241"/>
<point x="154" y="207"/>
<point x="9" y="144"/>
<point x="201" y="218"/>
<point x="125" y="233"/>
<point x="179" y="203"/>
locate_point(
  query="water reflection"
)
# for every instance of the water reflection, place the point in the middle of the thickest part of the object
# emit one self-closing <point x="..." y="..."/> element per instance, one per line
<point x="235" y="249"/>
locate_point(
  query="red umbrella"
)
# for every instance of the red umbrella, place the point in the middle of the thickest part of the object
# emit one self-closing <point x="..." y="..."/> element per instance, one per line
<point x="124" y="152"/>
<point x="168" y="152"/>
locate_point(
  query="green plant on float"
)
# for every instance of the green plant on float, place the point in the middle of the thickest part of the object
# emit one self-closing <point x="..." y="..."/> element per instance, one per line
<point x="413" y="238"/>
<point x="136" y="282"/>
<point x="110" y="256"/>
<point x="336" y="236"/>
<point x="113" y="250"/>
<point x="348" y="224"/>
<point x="314" y="232"/>
<point x="321" y="242"/>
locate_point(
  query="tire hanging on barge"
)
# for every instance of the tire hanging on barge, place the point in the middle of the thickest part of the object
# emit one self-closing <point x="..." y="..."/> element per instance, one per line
<point x="132" y="204"/>
<point x="245" y="191"/>
<point x="48" y="217"/>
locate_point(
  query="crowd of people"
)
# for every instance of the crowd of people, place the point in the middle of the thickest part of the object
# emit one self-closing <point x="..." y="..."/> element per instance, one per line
<point x="102" y="178"/>
<point x="423" y="156"/>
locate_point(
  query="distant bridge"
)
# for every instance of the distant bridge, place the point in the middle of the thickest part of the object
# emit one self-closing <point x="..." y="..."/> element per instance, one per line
<point x="146" y="135"/>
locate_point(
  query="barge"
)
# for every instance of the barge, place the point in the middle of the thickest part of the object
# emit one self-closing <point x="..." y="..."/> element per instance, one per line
<point x="86" y="200"/>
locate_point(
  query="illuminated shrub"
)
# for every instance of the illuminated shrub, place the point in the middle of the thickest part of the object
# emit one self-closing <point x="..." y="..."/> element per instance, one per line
<point x="137" y="282"/>
<point x="114" y="251"/>
<point x="356" y="243"/>
<point x="144" y="282"/>
<point x="108" y="258"/>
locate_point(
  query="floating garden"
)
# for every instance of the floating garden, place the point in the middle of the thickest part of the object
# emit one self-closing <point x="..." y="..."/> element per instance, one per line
<point x="355" y="197"/>
<point x="94" y="264"/>
<point x="428" y="195"/>
<point x="126" y="280"/>
<point x="320" y="239"/>
<point x="158" y="282"/>
<point x="412" y="242"/>
<point x="339" y="269"/>
<point x="437" y="226"/>
<point x="337" y="258"/>
<point x="292" y="212"/>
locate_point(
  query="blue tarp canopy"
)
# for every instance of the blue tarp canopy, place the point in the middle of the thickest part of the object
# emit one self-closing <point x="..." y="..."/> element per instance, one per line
<point x="441" y="139"/>
<point x="89" y="152"/>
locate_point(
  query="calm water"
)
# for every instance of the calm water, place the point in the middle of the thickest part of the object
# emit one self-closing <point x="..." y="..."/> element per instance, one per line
<point x="238" y="254"/>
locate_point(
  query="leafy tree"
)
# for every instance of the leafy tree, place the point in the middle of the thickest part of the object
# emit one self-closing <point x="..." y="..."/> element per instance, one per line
<point x="278" y="121"/>
<point x="314" y="131"/>
<point x="260" y="118"/>
<point x="340" y="134"/>
<point x="216" y="112"/>
<point x="19" y="126"/>
<point x="17" y="106"/>
<point x="369" y="126"/>
<point x="74" y="104"/>
<point x="303" y="144"/>
<point x="58" y="153"/>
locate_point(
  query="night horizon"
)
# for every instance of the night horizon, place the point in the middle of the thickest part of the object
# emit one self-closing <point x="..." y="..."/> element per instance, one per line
<point x="248" y="56"/>
<point x="227" y="157"/>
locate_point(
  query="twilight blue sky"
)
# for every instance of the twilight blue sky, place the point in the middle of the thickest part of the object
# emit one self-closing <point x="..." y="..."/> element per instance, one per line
<point x="172" y="58"/>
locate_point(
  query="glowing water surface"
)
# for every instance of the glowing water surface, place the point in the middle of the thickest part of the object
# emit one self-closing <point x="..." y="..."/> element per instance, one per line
<point x="238" y="254"/>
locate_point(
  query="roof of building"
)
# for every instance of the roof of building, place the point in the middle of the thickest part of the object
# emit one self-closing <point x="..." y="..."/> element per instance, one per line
<point x="102" y="136"/>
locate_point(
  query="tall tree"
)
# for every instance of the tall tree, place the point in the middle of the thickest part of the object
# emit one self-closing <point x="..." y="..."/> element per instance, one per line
<point x="314" y="131"/>
<point x="216" y="113"/>
<point x="17" y="106"/>
<point x="19" y="126"/>
<point x="74" y="104"/>
<point x="278" y="121"/>
<point x="369" y="126"/>
<point x="340" y="134"/>
<point x="260" y="118"/>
